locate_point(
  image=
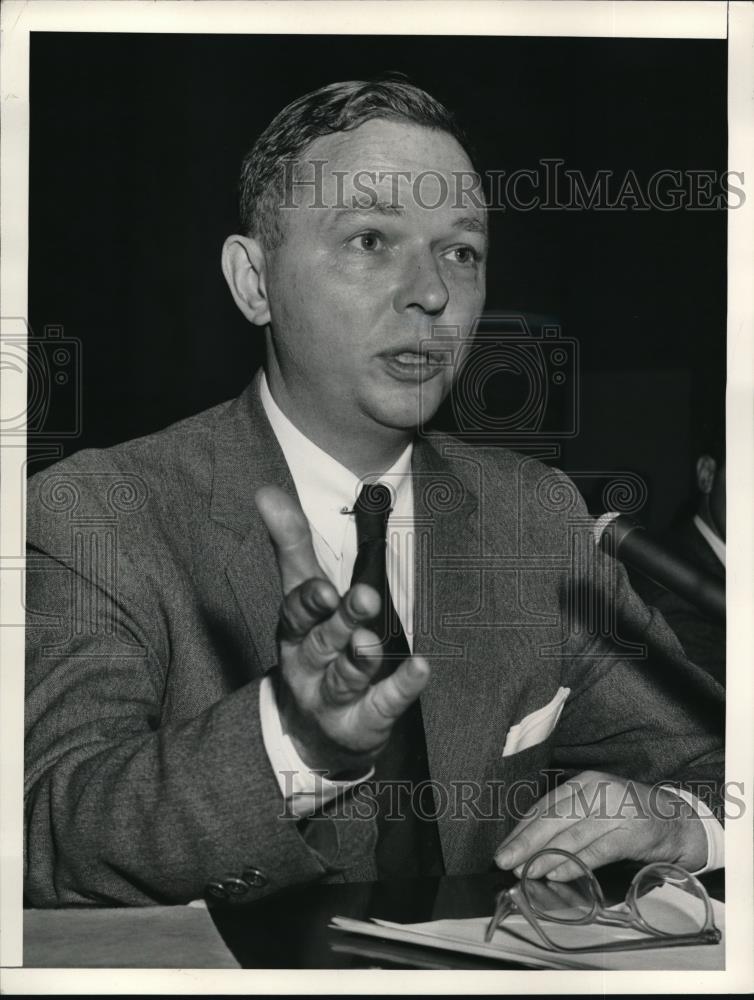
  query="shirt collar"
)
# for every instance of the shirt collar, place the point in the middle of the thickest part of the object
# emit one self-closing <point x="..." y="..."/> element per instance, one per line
<point x="714" y="541"/>
<point x="325" y="487"/>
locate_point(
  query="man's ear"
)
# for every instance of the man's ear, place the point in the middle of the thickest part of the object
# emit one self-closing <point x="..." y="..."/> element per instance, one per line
<point x="244" y="267"/>
<point x="706" y="470"/>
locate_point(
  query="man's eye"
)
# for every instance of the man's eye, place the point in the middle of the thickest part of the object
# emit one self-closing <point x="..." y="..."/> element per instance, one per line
<point x="367" y="242"/>
<point x="463" y="255"/>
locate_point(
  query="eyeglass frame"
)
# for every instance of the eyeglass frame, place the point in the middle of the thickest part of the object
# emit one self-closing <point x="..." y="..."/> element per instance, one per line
<point x="513" y="898"/>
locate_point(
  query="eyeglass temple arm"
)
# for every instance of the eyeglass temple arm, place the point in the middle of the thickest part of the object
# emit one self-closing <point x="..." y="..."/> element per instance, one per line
<point x="503" y="906"/>
<point x="507" y="901"/>
<point x="704" y="937"/>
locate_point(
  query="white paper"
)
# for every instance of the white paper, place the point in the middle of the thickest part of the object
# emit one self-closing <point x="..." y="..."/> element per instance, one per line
<point x="467" y="936"/>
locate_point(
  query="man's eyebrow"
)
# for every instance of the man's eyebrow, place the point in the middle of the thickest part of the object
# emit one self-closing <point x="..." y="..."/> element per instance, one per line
<point x="471" y="223"/>
<point x="380" y="207"/>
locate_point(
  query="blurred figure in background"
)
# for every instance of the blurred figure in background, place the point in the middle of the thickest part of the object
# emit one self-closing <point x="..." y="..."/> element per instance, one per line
<point x="698" y="537"/>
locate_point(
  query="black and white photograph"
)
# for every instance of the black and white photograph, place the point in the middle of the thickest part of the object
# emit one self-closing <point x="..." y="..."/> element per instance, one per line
<point x="375" y="397"/>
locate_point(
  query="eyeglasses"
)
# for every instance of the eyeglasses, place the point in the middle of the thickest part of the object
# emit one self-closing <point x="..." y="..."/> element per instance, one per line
<point x="560" y="905"/>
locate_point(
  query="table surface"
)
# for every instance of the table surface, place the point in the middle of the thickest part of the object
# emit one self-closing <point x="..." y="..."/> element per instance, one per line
<point x="290" y="929"/>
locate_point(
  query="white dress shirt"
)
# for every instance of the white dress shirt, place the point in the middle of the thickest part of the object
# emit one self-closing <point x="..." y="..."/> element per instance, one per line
<point x="327" y="492"/>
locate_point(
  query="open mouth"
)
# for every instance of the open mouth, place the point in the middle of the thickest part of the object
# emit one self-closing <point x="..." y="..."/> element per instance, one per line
<point x="435" y="358"/>
<point x="416" y="364"/>
<point x="412" y="358"/>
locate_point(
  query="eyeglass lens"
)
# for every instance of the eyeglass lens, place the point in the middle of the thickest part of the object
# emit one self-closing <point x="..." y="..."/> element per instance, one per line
<point x="562" y="902"/>
<point x="670" y="901"/>
<point x="667" y="899"/>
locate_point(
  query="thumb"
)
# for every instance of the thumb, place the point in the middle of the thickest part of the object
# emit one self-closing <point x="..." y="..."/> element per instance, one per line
<point x="392" y="695"/>
<point x="290" y="535"/>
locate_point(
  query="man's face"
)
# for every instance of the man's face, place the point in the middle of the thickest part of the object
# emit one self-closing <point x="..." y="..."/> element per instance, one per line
<point x="354" y="294"/>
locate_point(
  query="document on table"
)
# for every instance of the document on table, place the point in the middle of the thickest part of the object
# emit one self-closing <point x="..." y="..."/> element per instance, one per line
<point x="515" y="941"/>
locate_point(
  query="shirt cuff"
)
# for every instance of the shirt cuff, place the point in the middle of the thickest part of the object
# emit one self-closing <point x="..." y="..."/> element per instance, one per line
<point x="304" y="790"/>
<point x="712" y="828"/>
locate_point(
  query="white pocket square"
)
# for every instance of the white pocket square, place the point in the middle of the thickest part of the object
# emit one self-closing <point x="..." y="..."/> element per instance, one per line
<point x="535" y="727"/>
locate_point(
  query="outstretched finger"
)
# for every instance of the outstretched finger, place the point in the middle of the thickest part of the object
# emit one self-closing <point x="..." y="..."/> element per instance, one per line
<point x="392" y="696"/>
<point x="350" y="674"/>
<point x="333" y="635"/>
<point x="306" y="606"/>
<point x="290" y="534"/>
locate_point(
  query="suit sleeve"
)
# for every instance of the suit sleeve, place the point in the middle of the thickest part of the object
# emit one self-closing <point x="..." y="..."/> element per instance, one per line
<point x="123" y="808"/>
<point x="638" y="706"/>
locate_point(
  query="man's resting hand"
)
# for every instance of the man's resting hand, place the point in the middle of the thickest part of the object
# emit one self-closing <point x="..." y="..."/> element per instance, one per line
<point x="337" y="719"/>
<point x="603" y="818"/>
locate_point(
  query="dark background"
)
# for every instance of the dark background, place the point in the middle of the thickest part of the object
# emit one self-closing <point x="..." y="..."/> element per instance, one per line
<point x="136" y="142"/>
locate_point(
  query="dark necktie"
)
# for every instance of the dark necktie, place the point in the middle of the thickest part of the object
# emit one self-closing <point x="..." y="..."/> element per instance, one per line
<point x="407" y="844"/>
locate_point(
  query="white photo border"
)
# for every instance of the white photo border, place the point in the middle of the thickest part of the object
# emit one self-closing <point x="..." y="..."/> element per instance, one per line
<point x="648" y="19"/>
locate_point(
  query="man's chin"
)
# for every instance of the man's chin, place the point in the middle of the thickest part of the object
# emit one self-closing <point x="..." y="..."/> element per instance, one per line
<point x="411" y="406"/>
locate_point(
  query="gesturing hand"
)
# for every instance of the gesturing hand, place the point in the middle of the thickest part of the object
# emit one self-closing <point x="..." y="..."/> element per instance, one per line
<point x="603" y="818"/>
<point x="336" y="718"/>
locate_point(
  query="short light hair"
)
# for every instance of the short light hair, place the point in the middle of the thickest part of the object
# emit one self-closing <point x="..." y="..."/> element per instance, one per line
<point x="338" y="107"/>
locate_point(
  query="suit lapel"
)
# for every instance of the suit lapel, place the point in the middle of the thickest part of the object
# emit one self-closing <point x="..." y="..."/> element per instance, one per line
<point x="446" y="512"/>
<point x="248" y="456"/>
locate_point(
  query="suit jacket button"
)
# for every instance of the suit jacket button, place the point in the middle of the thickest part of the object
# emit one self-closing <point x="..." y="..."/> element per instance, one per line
<point x="235" y="886"/>
<point x="216" y="889"/>
<point x="255" y="878"/>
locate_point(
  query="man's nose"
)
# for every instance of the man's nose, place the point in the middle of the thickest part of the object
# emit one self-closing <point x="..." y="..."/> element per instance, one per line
<point x="422" y="286"/>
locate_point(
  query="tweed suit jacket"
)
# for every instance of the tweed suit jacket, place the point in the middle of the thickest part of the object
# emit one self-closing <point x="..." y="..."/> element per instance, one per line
<point x="152" y="605"/>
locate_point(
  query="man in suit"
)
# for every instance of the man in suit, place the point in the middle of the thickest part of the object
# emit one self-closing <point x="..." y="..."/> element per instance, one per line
<point x="258" y="637"/>
<point x="699" y="540"/>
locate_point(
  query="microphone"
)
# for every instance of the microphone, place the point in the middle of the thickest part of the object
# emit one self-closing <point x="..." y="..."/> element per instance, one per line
<point x="623" y="538"/>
